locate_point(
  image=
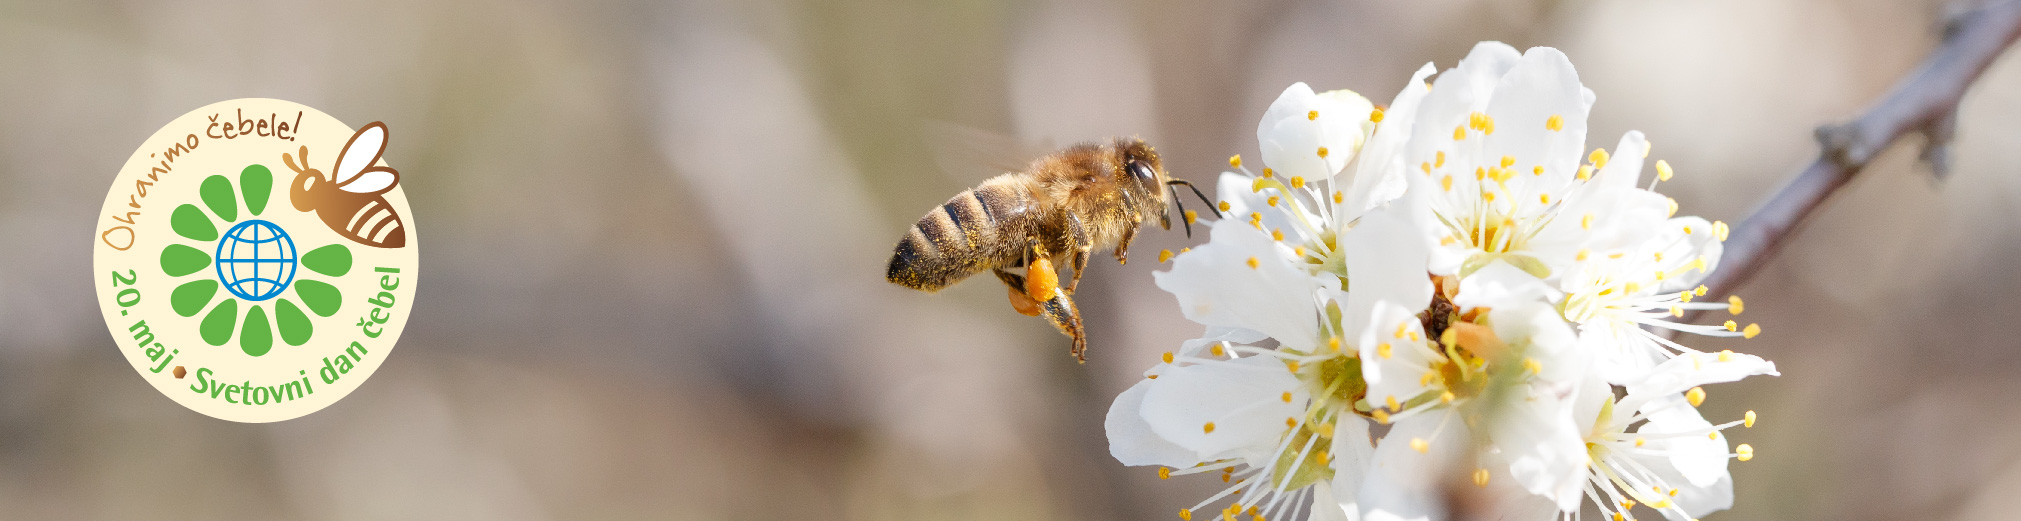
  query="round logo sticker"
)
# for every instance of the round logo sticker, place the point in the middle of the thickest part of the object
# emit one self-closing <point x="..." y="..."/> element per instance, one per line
<point x="256" y="259"/>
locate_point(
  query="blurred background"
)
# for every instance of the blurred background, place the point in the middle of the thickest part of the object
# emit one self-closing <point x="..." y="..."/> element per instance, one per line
<point x="654" y="234"/>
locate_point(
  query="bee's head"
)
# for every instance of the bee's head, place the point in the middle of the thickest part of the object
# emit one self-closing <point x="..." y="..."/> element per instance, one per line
<point x="306" y="179"/>
<point x="1151" y="184"/>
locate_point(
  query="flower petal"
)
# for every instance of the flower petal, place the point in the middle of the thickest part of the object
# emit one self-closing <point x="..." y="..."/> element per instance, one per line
<point x="1385" y="262"/>
<point x="1131" y="440"/>
<point x="1242" y="398"/>
<point x="1690" y="370"/>
<point x="1406" y="485"/>
<point x="1240" y="278"/>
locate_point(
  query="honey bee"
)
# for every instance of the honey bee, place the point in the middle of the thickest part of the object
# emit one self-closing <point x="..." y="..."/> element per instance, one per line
<point x="353" y="202"/>
<point x="1059" y="209"/>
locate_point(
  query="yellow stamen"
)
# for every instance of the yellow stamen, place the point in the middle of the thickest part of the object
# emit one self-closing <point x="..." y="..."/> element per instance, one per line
<point x="1272" y="201"/>
<point x="1277" y="235"/>
<point x="1447" y="183"/>
<point x="1391" y="402"/>
<point x="1480" y="173"/>
<point x="1420" y="445"/>
<point x="1586" y="222"/>
<point x="1538" y="170"/>
<point x="1333" y="344"/>
<point x="1375" y="116"/>
<point x="1218" y="351"/>
<point x="1299" y="181"/>
<point x="1663" y="172"/>
<point x="1696" y="396"/>
<point x="1337" y="197"/>
<point x="1164" y="472"/>
<point x="1734" y="305"/>
<point x="1322" y="152"/>
<point x="1267" y="172"/>
<point x="1382" y="350"/>
<point x="1583" y="253"/>
<point x="1748" y="421"/>
<point x="1730" y="326"/>
<point x="1751" y="331"/>
<point x="1481" y="478"/>
<point x="1208" y="428"/>
<point x="1638" y="442"/>
<point x="1533" y="365"/>
<point x="1311" y="115"/>
<point x="1164" y="256"/>
<point x="1726" y="355"/>
<point x="1447" y="397"/>
<point x="1544" y="198"/>
<point x="1223" y="206"/>
<point x="1235" y="161"/>
<point x="1585" y="172"/>
<point x="1598" y="158"/>
<point x="1555" y="123"/>
<point x="1290" y="423"/>
<point x="1744" y="452"/>
<point x="1252" y="263"/>
<point x="1719" y="230"/>
<point x="1167" y="357"/>
<point x="1508" y="161"/>
<point x="1186" y="514"/>
<point x="1440" y="159"/>
<point x="1460" y="133"/>
<point x="1192" y="216"/>
<point x="1670" y="206"/>
<point x="1380" y="416"/>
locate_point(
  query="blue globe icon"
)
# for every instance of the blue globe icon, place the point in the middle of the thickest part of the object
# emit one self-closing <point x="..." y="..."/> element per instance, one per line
<point x="256" y="260"/>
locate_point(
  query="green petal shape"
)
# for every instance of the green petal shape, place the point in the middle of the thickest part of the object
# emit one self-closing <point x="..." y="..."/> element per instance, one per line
<point x="192" y="296"/>
<point x="333" y="260"/>
<point x="178" y="260"/>
<point x="191" y="223"/>
<point x="257" y="183"/>
<point x="295" y="327"/>
<point x="217" y="195"/>
<point x="258" y="336"/>
<point x="217" y="326"/>
<point x="321" y="297"/>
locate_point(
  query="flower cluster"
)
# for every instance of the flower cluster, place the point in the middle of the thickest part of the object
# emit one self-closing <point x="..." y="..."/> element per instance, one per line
<point x="1446" y="294"/>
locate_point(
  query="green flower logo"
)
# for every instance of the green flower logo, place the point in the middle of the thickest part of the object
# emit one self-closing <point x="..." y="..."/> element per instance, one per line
<point x="254" y="261"/>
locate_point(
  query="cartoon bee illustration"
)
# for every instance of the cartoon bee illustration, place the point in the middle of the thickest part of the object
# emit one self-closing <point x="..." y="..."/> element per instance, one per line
<point x="353" y="201"/>
<point x="1056" y="212"/>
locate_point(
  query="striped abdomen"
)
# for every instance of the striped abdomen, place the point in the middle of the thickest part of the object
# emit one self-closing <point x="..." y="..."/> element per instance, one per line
<point x="373" y="223"/>
<point x="978" y="229"/>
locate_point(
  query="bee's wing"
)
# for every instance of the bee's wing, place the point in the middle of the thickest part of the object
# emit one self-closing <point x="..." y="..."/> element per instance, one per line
<point x="372" y="181"/>
<point x="970" y="154"/>
<point x="360" y="153"/>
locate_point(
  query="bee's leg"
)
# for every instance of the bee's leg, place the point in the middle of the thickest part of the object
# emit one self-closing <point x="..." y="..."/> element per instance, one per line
<point x="1082" y="246"/>
<point x="1123" y="246"/>
<point x="1020" y="301"/>
<point x="1060" y="311"/>
<point x="1041" y="285"/>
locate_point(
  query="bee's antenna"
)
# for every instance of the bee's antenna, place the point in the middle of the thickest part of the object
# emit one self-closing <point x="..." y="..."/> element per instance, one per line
<point x="1196" y="192"/>
<point x="285" y="158"/>
<point x="1182" y="212"/>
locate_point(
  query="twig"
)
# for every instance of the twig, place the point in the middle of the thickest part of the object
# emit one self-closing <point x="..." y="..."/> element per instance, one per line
<point x="1925" y="102"/>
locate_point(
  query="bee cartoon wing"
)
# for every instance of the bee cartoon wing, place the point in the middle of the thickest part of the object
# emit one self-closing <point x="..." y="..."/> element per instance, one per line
<point x="354" y="172"/>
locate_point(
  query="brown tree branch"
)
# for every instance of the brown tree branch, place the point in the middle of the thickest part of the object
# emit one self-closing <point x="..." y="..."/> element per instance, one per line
<point x="1925" y="102"/>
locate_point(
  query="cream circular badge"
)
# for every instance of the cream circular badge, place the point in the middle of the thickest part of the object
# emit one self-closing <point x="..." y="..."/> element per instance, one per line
<point x="256" y="259"/>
